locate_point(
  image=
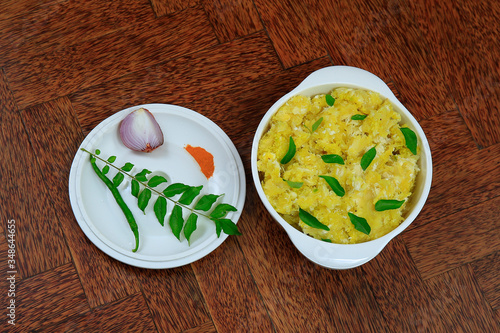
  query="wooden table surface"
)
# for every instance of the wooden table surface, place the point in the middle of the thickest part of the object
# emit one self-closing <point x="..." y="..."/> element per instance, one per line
<point x="65" y="66"/>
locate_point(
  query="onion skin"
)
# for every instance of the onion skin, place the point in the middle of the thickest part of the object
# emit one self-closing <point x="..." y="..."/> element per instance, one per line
<point x="139" y="131"/>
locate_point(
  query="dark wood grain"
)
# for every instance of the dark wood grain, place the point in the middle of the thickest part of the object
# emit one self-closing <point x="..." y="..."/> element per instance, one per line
<point x="13" y="8"/>
<point x="440" y="237"/>
<point x="67" y="65"/>
<point x="468" y="62"/>
<point x="235" y="303"/>
<point x="458" y="303"/>
<point x="127" y="315"/>
<point x="41" y="304"/>
<point x="399" y="291"/>
<point x="348" y="295"/>
<point x="40" y="242"/>
<point x="165" y="7"/>
<point x="207" y="327"/>
<point x="486" y="273"/>
<point x="56" y="135"/>
<point x="232" y="19"/>
<point x="473" y="177"/>
<point x="174" y="299"/>
<point x="49" y="28"/>
<point x="84" y="64"/>
<point x="292" y="31"/>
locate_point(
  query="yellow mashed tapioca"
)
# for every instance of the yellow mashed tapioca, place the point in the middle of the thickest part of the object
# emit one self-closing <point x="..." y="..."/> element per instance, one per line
<point x="297" y="184"/>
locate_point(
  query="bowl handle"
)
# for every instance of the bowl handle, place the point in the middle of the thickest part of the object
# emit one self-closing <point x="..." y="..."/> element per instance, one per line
<point x="337" y="256"/>
<point x="348" y="76"/>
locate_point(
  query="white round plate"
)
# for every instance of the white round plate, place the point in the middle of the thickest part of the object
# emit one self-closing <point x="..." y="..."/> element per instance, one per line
<point x="102" y="220"/>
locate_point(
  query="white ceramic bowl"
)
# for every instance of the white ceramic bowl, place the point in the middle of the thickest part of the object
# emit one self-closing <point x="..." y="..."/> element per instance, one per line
<point x="344" y="256"/>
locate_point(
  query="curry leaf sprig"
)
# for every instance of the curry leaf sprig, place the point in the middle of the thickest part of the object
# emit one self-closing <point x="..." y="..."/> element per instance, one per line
<point x="144" y="185"/>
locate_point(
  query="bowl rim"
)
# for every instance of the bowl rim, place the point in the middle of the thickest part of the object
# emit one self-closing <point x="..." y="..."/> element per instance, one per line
<point x="333" y="255"/>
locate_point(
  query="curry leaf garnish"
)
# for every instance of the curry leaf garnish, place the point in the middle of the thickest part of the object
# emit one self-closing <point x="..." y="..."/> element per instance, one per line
<point x="188" y="196"/>
<point x="206" y="202"/>
<point x="142" y="186"/>
<point x="316" y="125"/>
<point x="334" y="185"/>
<point x="190" y="226"/>
<point x="142" y="176"/>
<point x="411" y="139"/>
<point x="329" y="99"/>
<point x="227" y="226"/>
<point x="160" y="209"/>
<point x="174" y="189"/>
<point x="359" y="117"/>
<point x="156" y="180"/>
<point x="382" y="205"/>
<point x="294" y="184"/>
<point x="311" y="220"/>
<point x="290" y="153"/>
<point x="332" y="158"/>
<point x="117" y="179"/>
<point x="134" y="187"/>
<point x="105" y="170"/>
<point x="127" y="167"/>
<point x="176" y="221"/>
<point x="360" y="223"/>
<point x="368" y="158"/>
<point x="221" y="210"/>
<point x="143" y="199"/>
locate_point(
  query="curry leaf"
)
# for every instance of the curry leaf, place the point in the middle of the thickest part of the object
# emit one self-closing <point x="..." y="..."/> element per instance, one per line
<point x="188" y="196"/>
<point x="190" y="226"/>
<point x="117" y="179"/>
<point x="332" y="158"/>
<point x="206" y="202"/>
<point x="410" y="139"/>
<point x="329" y="99"/>
<point x="105" y="170"/>
<point x="160" y="209"/>
<point x="156" y="180"/>
<point x="111" y="159"/>
<point x="221" y="210"/>
<point x="359" y="117"/>
<point x="382" y="205"/>
<point x="316" y="124"/>
<point x="290" y="153"/>
<point x="143" y="199"/>
<point x="228" y="227"/>
<point x="174" y="189"/>
<point x="127" y="167"/>
<point x="141" y="176"/>
<point x="218" y="228"/>
<point x="360" y="223"/>
<point x="334" y="185"/>
<point x="134" y="188"/>
<point x="294" y="184"/>
<point x="367" y="158"/>
<point x="176" y="221"/>
<point x="311" y="220"/>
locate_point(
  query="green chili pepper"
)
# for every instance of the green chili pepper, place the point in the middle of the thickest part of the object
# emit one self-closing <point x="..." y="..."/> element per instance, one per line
<point x="119" y="200"/>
